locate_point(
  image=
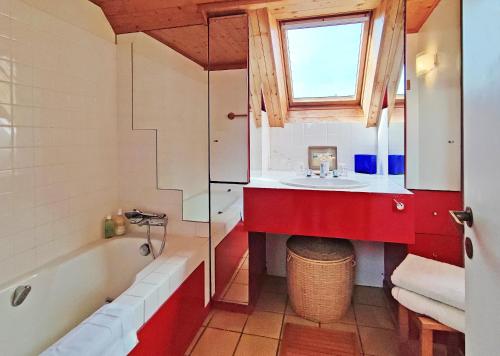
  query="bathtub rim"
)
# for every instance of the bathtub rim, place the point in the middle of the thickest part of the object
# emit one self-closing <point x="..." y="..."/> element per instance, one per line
<point x="21" y="279"/>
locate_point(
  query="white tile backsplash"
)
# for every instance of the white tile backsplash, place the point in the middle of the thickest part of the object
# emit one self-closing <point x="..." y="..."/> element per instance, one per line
<point x="58" y="136"/>
<point x="288" y="145"/>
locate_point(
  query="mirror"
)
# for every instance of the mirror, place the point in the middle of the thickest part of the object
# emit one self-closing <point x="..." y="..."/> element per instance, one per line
<point x="396" y="132"/>
<point x="179" y="121"/>
<point x="229" y="160"/>
<point x="433" y="97"/>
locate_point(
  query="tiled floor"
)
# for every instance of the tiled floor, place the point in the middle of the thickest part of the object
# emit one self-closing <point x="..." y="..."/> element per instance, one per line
<point x="237" y="289"/>
<point x="259" y="334"/>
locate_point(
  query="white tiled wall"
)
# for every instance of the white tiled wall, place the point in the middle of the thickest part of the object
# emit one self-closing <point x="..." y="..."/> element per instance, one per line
<point x="58" y="139"/>
<point x="137" y="177"/>
<point x="288" y="145"/>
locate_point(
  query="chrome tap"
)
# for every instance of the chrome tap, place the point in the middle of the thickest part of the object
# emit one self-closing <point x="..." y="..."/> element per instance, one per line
<point x="141" y="218"/>
<point x="148" y="219"/>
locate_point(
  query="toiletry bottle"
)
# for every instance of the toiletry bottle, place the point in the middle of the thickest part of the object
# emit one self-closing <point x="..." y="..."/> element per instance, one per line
<point x="119" y="223"/>
<point x="109" y="227"/>
<point x="324" y="167"/>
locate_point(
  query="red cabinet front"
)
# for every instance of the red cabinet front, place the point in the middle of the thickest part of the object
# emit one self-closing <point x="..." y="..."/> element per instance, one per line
<point x="432" y="212"/>
<point x="352" y="215"/>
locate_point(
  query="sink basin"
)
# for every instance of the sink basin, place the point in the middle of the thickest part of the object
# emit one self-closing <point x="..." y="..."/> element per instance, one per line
<point x="324" y="183"/>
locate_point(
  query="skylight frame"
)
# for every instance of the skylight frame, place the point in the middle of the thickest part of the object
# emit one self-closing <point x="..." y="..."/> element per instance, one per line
<point x="340" y="101"/>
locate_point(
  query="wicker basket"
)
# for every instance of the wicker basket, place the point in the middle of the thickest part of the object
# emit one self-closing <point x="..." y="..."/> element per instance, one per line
<point x="320" y="277"/>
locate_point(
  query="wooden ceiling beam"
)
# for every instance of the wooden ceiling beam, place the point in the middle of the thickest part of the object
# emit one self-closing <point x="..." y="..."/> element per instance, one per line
<point x="293" y="9"/>
<point x="387" y="28"/>
<point x="394" y="77"/>
<point x="265" y="53"/>
<point x="326" y="114"/>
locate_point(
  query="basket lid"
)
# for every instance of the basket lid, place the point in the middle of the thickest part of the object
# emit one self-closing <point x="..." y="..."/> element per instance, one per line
<point x="320" y="248"/>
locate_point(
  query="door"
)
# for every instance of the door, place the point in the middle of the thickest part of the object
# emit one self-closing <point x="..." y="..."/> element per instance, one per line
<point x="481" y="90"/>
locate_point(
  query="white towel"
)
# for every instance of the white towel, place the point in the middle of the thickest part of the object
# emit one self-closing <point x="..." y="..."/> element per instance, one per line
<point x="436" y="280"/>
<point x="109" y="331"/>
<point x="445" y="314"/>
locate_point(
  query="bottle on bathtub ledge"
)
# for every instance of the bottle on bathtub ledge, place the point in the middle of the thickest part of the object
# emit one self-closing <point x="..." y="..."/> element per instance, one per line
<point x="120" y="223"/>
<point x="109" y="227"/>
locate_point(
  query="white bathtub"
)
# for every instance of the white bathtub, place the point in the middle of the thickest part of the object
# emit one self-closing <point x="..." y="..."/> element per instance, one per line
<point x="71" y="288"/>
<point x="224" y="198"/>
<point x="66" y="291"/>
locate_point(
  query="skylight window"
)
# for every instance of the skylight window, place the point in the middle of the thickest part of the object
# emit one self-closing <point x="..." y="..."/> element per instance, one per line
<point x="325" y="59"/>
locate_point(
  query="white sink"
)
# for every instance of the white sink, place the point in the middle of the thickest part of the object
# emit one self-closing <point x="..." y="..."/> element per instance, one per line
<point x="324" y="183"/>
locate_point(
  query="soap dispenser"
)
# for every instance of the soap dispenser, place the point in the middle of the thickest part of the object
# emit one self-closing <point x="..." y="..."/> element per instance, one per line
<point x="109" y="228"/>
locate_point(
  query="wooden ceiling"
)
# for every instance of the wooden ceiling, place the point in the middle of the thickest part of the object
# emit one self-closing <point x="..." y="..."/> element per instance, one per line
<point x="182" y="24"/>
<point x="127" y="16"/>
<point x="190" y="41"/>
<point x="417" y="12"/>
<point x="228" y="42"/>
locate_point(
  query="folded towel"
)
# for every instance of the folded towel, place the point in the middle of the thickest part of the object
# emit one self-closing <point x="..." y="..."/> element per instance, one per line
<point x="437" y="280"/>
<point x="445" y="314"/>
<point x="109" y="331"/>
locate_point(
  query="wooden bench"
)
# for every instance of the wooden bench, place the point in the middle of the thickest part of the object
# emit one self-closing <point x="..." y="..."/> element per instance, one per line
<point x="426" y="327"/>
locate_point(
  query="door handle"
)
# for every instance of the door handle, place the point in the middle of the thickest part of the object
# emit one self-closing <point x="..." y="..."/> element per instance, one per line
<point x="463" y="216"/>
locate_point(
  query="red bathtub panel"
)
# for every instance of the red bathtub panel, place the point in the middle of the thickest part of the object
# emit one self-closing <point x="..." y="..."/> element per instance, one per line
<point x="444" y="248"/>
<point x="171" y="329"/>
<point x="357" y="216"/>
<point x="432" y="212"/>
<point x="228" y="254"/>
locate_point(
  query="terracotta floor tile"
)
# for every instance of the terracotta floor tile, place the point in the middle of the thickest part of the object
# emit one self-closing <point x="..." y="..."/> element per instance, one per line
<point x="271" y="302"/>
<point x="207" y="319"/>
<point x="194" y="341"/>
<point x="289" y="309"/>
<point x="349" y="317"/>
<point x="379" y="342"/>
<point x="273" y="284"/>
<point x="215" y="342"/>
<point x="264" y="324"/>
<point x="251" y="345"/>
<point x="228" y="321"/>
<point x="237" y="293"/>
<point x="245" y="264"/>
<point x="241" y="277"/>
<point x="369" y="315"/>
<point x="369" y="296"/>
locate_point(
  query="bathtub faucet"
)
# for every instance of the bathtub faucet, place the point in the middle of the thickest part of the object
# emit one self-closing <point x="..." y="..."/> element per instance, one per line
<point x="142" y="218"/>
<point x="148" y="219"/>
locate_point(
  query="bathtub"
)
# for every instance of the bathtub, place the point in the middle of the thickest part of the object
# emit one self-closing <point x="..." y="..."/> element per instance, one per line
<point x="66" y="291"/>
<point x="71" y="288"/>
<point x="223" y="198"/>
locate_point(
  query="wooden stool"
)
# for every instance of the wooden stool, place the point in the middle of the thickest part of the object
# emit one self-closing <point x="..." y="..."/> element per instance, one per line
<point x="426" y="327"/>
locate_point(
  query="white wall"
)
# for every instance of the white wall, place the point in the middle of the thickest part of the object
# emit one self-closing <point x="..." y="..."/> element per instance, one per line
<point x="170" y="95"/>
<point x="369" y="260"/>
<point x="288" y="145"/>
<point x="434" y="163"/>
<point x="383" y="143"/>
<point x="229" y="155"/>
<point x="259" y="145"/>
<point x="137" y="179"/>
<point x="57" y="130"/>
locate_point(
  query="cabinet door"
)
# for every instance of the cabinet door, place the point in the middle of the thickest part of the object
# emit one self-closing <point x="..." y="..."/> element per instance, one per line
<point x="432" y="212"/>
